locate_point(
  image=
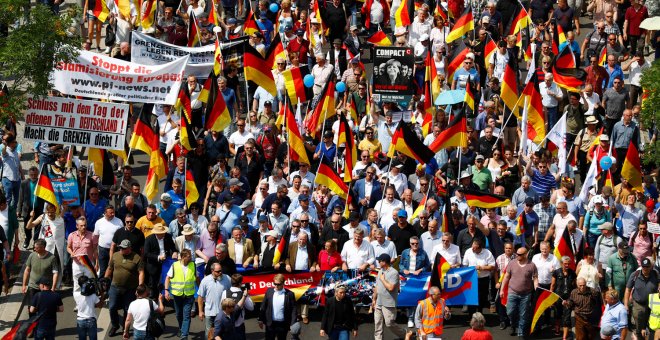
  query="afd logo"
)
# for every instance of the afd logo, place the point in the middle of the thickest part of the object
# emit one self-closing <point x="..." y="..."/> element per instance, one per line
<point x="453" y="281"/>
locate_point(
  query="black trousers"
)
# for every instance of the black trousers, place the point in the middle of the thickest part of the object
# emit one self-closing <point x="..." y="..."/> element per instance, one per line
<point x="277" y="330"/>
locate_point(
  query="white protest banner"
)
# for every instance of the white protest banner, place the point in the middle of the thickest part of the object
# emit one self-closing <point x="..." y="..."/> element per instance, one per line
<point x="71" y="121"/>
<point x="99" y="76"/>
<point x="148" y="50"/>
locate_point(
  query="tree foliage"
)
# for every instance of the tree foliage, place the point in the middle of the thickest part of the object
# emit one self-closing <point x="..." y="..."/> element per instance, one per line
<point x="651" y="110"/>
<point x="34" y="42"/>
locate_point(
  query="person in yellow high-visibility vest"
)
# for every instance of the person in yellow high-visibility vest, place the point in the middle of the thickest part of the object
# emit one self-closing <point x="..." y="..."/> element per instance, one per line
<point x="180" y="285"/>
<point x="430" y="315"/>
<point x="654" y="317"/>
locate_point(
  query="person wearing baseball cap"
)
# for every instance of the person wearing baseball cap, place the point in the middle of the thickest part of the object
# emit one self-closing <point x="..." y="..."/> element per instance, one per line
<point x="385" y="296"/>
<point x="642" y="284"/>
<point x="401" y="232"/>
<point x="126" y="269"/>
<point x="621" y="267"/>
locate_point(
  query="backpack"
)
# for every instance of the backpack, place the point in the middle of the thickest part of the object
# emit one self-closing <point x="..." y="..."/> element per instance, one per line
<point x="155" y="324"/>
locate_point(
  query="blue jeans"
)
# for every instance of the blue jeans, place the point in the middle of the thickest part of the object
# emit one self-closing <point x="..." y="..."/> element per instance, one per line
<point x="182" y="307"/>
<point x="518" y="307"/>
<point x="87" y="329"/>
<point x="119" y="299"/>
<point x="339" y="334"/>
<point x="44" y="334"/>
<point x="592" y="239"/>
<point x="552" y="117"/>
<point x="141" y="335"/>
<point x="11" y="190"/>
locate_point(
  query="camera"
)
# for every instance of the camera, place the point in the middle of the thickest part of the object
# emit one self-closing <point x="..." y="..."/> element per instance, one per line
<point x="245" y="286"/>
<point x="91" y="286"/>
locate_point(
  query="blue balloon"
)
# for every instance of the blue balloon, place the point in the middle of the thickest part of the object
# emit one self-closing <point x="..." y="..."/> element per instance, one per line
<point x="340" y="87"/>
<point x="606" y="163"/>
<point x="308" y="80"/>
<point x="274" y="8"/>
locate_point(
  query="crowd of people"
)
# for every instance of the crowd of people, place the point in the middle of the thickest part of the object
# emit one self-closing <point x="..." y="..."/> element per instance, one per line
<point x="399" y="213"/>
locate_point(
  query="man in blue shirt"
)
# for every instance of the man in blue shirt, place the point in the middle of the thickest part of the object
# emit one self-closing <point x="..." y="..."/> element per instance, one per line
<point x="266" y="28"/>
<point x="94" y="206"/>
<point x="327" y="150"/>
<point x="468" y="70"/>
<point x="176" y="194"/>
<point x="166" y="210"/>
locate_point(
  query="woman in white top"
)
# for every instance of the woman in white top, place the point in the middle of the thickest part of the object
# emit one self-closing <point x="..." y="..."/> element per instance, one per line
<point x="495" y="164"/>
<point x="196" y="7"/>
<point x="198" y="222"/>
<point x="260" y="195"/>
<point x="285" y="16"/>
<point x="587" y="269"/>
<point x="437" y="36"/>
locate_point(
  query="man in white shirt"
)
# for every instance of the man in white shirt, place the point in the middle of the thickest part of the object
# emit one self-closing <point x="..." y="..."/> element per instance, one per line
<point x="498" y="61"/>
<point x="382" y="245"/>
<point x="448" y="250"/>
<point x="306" y="176"/>
<point x="358" y="254"/>
<point x="545" y="263"/>
<point x="275" y="180"/>
<point x="168" y="122"/>
<point x="550" y="96"/>
<point x="591" y="98"/>
<point x="385" y="207"/>
<point x="421" y="25"/>
<point x="238" y="138"/>
<point x="559" y="222"/>
<point x="321" y="72"/>
<point x="636" y="67"/>
<point x="483" y="260"/>
<point x="105" y="229"/>
<point x="353" y="224"/>
<point x="396" y="178"/>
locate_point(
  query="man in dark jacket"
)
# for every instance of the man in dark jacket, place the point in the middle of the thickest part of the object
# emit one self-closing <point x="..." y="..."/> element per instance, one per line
<point x="339" y="316"/>
<point x="154" y="256"/>
<point x="277" y="316"/>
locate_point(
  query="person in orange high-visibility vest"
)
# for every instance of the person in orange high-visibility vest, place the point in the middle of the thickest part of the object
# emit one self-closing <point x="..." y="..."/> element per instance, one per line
<point x="430" y="315"/>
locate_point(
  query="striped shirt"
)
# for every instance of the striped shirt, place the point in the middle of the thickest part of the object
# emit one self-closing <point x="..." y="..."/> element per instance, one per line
<point x="543" y="183"/>
<point x="545" y="218"/>
<point x="583" y="303"/>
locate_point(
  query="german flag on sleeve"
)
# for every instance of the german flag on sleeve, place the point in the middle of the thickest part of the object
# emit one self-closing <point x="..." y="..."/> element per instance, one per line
<point x="257" y="70"/>
<point x="379" y="39"/>
<point x="632" y="169"/>
<point x="545" y="300"/>
<point x="295" y="88"/>
<point x="328" y="177"/>
<point x="463" y="25"/>
<point x="455" y="60"/>
<point x="455" y="135"/>
<point x="405" y="141"/>
<point x="485" y="200"/>
<point x="44" y="190"/>
<point x="405" y="14"/>
<point x="296" y="143"/>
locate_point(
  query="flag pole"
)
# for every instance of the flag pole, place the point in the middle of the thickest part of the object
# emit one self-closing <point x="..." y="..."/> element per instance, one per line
<point x="523" y="128"/>
<point x="348" y="195"/>
<point x="507" y="120"/>
<point x="85" y="185"/>
<point x="185" y="173"/>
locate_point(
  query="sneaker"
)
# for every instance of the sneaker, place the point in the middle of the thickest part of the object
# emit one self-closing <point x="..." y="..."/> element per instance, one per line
<point x="411" y="324"/>
<point x="113" y="331"/>
<point x="107" y="50"/>
<point x="502" y="325"/>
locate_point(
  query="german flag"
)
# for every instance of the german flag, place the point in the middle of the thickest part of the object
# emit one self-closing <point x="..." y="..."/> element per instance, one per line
<point x="213" y="17"/>
<point x="420" y="207"/>
<point x="99" y="8"/>
<point x="463" y="25"/>
<point x="149" y="17"/>
<point x="432" y="76"/>
<point x="455" y="135"/>
<point x="520" y="21"/>
<point x="521" y="224"/>
<point x="87" y="263"/>
<point x="145" y="137"/>
<point x="456" y="58"/>
<point x="44" y="190"/>
<point x="218" y="61"/>
<point x="405" y="14"/>
<point x="646" y="93"/>
<point x="297" y="150"/>
<point x="257" y="69"/>
<point x="490" y="48"/>
<point x="565" y="248"/>
<point x="469" y="95"/>
<point x="324" y="109"/>
<point x="21" y="329"/>
<point x="565" y="58"/>
<point x="558" y="37"/>
<point x="102" y="165"/>
<point x="509" y="89"/>
<point x="504" y="288"/>
<point x="439" y="271"/>
<point x="295" y="88"/>
<point x="632" y="168"/>
<point x="608" y="179"/>
<point x="124" y="7"/>
<point x="193" y="31"/>
<point x="217" y="116"/>
<point x="250" y="26"/>
<point x="280" y="251"/>
<point x="345" y="135"/>
<point x="545" y="300"/>
<point x="151" y="186"/>
<point x="352" y="56"/>
<point x="379" y="39"/>
<point x="186" y="135"/>
<point x="485" y="200"/>
<point x="328" y="177"/>
<point x="317" y="14"/>
<point x="602" y="60"/>
<point x="569" y="78"/>
<point x="405" y="141"/>
<point x="183" y="102"/>
<point x="440" y="12"/>
<point x="447" y="221"/>
<point x="192" y="194"/>
<point x="275" y="50"/>
<point x="535" y="116"/>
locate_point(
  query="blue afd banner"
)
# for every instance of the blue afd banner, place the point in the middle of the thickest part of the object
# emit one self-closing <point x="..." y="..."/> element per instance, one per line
<point x="461" y="287"/>
<point x="66" y="189"/>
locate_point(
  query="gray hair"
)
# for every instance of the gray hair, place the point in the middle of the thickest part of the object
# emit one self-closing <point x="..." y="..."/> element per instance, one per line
<point x="424" y="213"/>
<point x="565" y="258"/>
<point x="81" y="219"/>
<point x="448" y="234"/>
<point x="414" y="238"/>
<point x="179" y="211"/>
<point x="221" y="247"/>
<point x="525" y="179"/>
<point x="359" y="231"/>
<point x="222" y="78"/>
<point x="478" y="321"/>
<point x="379" y="231"/>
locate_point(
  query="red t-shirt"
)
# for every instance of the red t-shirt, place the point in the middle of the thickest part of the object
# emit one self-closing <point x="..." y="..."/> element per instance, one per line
<point x="471" y="334"/>
<point x="635" y="18"/>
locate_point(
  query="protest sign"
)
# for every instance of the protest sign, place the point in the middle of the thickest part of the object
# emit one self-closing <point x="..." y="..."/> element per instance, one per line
<point x="393" y="74"/>
<point x="71" y="121"/>
<point x="148" y="50"/>
<point x="461" y="287"/>
<point x="99" y="76"/>
<point x="65" y="185"/>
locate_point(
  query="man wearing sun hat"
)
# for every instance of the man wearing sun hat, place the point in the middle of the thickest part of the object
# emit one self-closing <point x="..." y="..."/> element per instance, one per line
<point x="157" y="248"/>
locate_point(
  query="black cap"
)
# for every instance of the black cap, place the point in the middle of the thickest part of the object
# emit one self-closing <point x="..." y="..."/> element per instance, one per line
<point x="354" y="216"/>
<point x="328" y="134"/>
<point x="46" y="281"/>
<point x="529" y="201"/>
<point x="646" y="262"/>
<point x="384" y="257"/>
